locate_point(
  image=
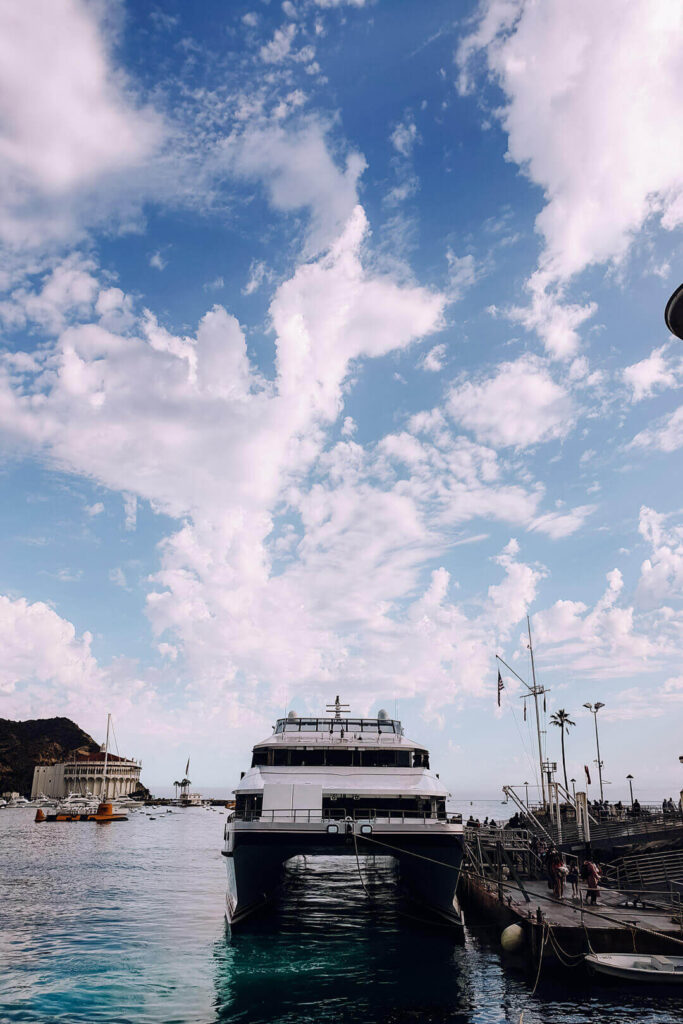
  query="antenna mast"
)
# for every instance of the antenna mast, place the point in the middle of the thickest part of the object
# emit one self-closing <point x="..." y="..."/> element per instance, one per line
<point x="106" y="757"/>
<point x="337" y="709"/>
<point x="536" y="690"/>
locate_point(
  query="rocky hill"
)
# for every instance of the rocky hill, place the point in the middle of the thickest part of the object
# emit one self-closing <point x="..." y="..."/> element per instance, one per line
<point x="23" y="745"/>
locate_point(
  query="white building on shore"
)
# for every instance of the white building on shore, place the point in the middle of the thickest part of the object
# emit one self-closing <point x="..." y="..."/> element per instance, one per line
<point x="85" y="774"/>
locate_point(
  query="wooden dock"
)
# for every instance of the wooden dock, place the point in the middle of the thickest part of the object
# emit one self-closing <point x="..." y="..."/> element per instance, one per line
<point x="501" y="890"/>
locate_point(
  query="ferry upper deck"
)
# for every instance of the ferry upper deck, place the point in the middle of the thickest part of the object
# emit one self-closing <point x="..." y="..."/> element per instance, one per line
<point x="339" y="767"/>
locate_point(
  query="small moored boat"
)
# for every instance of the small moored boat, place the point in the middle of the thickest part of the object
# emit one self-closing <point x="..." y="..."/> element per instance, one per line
<point x="651" y="968"/>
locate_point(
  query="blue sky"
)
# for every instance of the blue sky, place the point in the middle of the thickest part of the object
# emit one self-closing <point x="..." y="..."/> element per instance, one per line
<point x="332" y="347"/>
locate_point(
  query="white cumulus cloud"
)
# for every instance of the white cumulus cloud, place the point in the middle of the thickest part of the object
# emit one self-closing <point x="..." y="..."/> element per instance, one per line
<point x="665" y="435"/>
<point x="67" y="118"/>
<point x="519" y="405"/>
<point x="662" y="369"/>
<point x="593" y="95"/>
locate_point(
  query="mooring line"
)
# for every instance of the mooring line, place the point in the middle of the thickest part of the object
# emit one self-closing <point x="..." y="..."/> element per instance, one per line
<point x="360" y="875"/>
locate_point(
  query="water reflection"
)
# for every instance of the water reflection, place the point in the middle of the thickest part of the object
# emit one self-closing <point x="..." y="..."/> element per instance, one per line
<point x="328" y="953"/>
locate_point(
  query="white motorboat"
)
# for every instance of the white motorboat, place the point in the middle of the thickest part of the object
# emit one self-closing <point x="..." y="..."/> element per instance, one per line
<point x="127" y="802"/>
<point x="78" y="803"/>
<point x="344" y="787"/>
<point x="641" y="967"/>
<point x="44" y="801"/>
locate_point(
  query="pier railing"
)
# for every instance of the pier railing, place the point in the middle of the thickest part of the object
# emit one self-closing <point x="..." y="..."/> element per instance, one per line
<point x="616" y="829"/>
<point x="660" y="870"/>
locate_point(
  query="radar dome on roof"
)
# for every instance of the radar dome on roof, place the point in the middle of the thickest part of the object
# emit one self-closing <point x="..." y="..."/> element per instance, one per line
<point x="291" y="715"/>
<point x="383" y="715"/>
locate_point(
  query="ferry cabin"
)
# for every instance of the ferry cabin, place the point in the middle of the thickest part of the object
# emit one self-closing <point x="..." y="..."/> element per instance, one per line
<point x="346" y="767"/>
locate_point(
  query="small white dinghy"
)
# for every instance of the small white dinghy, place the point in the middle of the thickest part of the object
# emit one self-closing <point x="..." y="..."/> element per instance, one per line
<point x="648" y="967"/>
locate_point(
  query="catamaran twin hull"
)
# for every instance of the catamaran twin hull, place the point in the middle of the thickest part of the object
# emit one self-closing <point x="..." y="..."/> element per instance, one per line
<point x="342" y="787"/>
<point x="429" y="864"/>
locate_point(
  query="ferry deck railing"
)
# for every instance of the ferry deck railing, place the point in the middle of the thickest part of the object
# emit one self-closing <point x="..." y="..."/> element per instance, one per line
<point x="316" y="816"/>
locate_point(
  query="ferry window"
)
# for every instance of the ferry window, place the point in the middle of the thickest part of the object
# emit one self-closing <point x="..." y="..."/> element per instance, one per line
<point x="354" y="725"/>
<point x="420" y="759"/>
<point x="338" y="756"/>
<point x="315" y="758"/>
<point x="403" y="759"/>
<point x="386" y="726"/>
<point x="280" y="756"/>
<point x="379" y="758"/>
<point x="291" y="726"/>
<point x="280" y="727"/>
<point x="309" y="724"/>
<point x="260" y="757"/>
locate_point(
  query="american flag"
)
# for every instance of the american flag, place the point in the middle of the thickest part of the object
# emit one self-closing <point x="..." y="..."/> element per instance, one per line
<point x="500" y="687"/>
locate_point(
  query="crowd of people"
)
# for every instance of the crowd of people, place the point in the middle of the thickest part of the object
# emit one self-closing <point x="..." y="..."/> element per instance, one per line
<point x="560" y="873"/>
<point x="602" y="809"/>
<point x="486" y="823"/>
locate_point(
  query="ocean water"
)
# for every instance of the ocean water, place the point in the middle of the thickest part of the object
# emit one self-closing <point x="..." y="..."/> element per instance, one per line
<point x="109" y="924"/>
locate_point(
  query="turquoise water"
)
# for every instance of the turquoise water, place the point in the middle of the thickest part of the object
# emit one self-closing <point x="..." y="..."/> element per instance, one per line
<point x="124" y="923"/>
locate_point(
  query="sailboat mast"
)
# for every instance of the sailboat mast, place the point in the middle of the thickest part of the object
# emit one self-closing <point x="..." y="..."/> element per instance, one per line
<point x="106" y="756"/>
<point x="538" y="720"/>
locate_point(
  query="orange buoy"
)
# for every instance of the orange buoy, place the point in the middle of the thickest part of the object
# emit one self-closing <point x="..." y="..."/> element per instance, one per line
<point x="40" y="815"/>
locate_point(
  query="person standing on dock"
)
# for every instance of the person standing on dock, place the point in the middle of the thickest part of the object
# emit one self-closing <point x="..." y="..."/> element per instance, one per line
<point x="573" y="877"/>
<point x="591" y="873"/>
<point x="558" y="870"/>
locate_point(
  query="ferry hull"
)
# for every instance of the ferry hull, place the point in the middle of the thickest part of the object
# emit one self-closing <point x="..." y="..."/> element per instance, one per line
<point x="428" y="868"/>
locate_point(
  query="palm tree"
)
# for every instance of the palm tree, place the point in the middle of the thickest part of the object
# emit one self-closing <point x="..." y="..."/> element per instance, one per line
<point x="562" y="720"/>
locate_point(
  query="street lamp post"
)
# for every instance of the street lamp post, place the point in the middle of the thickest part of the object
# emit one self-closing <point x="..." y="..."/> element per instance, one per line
<point x="630" y="786"/>
<point x="573" y="782"/>
<point x="526" y="789"/>
<point x="594" y="708"/>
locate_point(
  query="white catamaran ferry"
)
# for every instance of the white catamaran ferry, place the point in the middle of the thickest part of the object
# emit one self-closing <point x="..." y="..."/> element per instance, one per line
<point x="342" y="786"/>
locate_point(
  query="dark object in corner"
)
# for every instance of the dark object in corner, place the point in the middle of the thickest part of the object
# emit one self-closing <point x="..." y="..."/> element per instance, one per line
<point x="673" y="314"/>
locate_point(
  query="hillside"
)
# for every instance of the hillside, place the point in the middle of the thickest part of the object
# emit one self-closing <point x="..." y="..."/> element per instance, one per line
<point x="23" y="745"/>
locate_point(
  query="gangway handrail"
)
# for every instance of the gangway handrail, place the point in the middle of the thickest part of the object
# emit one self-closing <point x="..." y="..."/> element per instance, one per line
<point x="572" y="801"/>
<point x="509" y="792"/>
